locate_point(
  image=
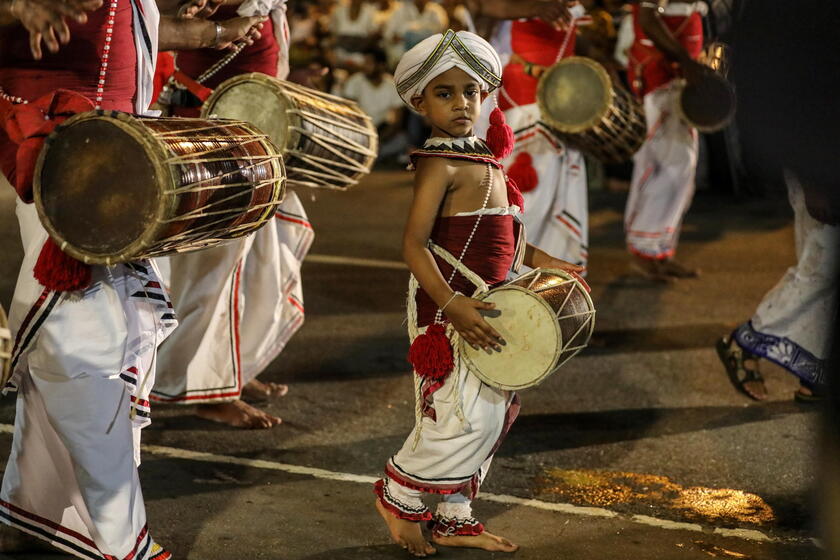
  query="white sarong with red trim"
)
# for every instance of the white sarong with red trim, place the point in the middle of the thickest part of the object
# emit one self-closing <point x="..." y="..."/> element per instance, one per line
<point x="663" y="178"/>
<point x="238" y="304"/>
<point x="556" y="214"/>
<point x="83" y="364"/>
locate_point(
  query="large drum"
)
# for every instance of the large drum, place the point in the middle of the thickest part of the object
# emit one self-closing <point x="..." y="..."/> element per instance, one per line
<point x="5" y="348"/>
<point x="546" y="318"/>
<point x="326" y="141"/>
<point x="582" y="105"/>
<point x="111" y="187"/>
<point x="709" y="105"/>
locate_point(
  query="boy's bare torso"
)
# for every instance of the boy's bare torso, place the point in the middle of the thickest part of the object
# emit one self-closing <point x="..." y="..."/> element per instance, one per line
<point x="467" y="189"/>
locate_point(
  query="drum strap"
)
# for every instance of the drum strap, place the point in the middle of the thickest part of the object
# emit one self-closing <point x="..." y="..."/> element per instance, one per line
<point x="193" y="86"/>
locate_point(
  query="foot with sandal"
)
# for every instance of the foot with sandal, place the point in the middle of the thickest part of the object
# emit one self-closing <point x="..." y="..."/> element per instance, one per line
<point x="742" y="367"/>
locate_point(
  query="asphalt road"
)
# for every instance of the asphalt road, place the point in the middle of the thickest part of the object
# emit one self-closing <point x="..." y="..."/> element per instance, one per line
<point x="638" y="449"/>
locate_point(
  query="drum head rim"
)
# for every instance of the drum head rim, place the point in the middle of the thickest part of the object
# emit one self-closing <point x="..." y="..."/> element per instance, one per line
<point x="133" y="127"/>
<point x="681" y="83"/>
<point x="473" y="368"/>
<point x="607" y="100"/>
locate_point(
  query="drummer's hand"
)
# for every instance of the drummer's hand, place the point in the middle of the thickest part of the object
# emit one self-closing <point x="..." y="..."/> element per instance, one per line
<point x="199" y="8"/>
<point x="463" y="313"/>
<point x="45" y="20"/>
<point x="241" y="30"/>
<point x="553" y="12"/>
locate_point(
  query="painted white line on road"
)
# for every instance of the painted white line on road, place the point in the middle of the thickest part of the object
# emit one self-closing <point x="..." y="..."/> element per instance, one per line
<point x="186" y="454"/>
<point x="355" y="261"/>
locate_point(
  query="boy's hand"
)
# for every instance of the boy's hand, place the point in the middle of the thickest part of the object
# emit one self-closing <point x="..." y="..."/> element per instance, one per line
<point x="464" y="314"/>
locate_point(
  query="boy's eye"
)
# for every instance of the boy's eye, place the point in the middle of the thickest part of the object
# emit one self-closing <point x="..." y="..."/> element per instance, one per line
<point x="444" y="94"/>
<point x="471" y="93"/>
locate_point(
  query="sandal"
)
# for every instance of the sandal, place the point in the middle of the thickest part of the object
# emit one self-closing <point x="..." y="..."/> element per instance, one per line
<point x="808" y="394"/>
<point x="746" y="379"/>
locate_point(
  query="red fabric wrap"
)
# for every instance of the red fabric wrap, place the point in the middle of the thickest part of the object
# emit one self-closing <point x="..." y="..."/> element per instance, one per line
<point x="538" y="43"/>
<point x="164" y="68"/>
<point x="490" y="254"/>
<point x="452" y="527"/>
<point x="648" y="63"/>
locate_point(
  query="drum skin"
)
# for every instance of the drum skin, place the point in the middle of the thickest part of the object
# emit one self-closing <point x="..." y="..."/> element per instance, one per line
<point x="708" y="106"/>
<point x="546" y="318"/>
<point x="111" y="187"/>
<point x="5" y="349"/>
<point x="581" y="105"/>
<point x="326" y="141"/>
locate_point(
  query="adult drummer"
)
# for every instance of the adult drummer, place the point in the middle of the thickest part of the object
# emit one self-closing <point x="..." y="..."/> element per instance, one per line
<point x="668" y="39"/>
<point x="241" y="302"/>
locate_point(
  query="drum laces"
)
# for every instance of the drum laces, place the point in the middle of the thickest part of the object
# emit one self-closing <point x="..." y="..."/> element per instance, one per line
<point x="450" y="331"/>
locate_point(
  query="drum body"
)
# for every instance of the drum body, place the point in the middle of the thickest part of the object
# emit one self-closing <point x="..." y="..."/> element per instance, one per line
<point x="111" y="187"/>
<point x="5" y="349"/>
<point x="546" y="318"/>
<point x="709" y="106"/>
<point x="582" y="105"/>
<point x="326" y="141"/>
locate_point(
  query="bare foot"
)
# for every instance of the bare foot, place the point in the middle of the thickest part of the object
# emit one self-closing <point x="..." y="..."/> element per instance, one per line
<point x="237" y="414"/>
<point x="406" y="533"/>
<point x="257" y="390"/>
<point x="486" y="541"/>
<point x="651" y="269"/>
<point x="13" y="540"/>
<point x="677" y="270"/>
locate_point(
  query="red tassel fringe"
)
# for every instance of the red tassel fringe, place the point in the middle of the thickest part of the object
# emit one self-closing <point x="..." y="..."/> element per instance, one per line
<point x="431" y="353"/>
<point x="60" y="272"/>
<point x="523" y="173"/>
<point x="499" y="136"/>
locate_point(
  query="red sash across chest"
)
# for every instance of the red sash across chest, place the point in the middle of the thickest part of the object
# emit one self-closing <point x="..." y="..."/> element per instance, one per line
<point x="76" y="65"/>
<point x="538" y="43"/>
<point x="650" y="64"/>
<point x="490" y="254"/>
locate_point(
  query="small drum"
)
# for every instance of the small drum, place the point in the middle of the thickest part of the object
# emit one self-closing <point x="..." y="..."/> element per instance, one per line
<point x="326" y="141"/>
<point x="546" y="318"/>
<point x="582" y="105"/>
<point x="5" y="349"/>
<point x="710" y="105"/>
<point x="114" y="187"/>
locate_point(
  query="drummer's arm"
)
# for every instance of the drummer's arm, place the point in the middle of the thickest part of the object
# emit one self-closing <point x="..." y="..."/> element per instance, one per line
<point x="537" y="258"/>
<point x="432" y="180"/>
<point x="664" y="40"/>
<point x="196" y="33"/>
<point x="45" y="20"/>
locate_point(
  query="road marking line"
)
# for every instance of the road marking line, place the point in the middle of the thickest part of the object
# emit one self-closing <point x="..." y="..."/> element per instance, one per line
<point x="355" y="261"/>
<point x="571" y="509"/>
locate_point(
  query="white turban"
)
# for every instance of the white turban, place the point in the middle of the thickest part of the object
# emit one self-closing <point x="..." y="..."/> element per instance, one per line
<point x="435" y="55"/>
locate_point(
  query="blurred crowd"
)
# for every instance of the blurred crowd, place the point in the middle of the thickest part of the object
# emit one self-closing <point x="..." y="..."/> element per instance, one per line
<point x="351" y="47"/>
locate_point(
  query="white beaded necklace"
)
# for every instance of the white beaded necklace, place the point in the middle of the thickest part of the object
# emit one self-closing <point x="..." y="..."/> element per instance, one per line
<point x="488" y="179"/>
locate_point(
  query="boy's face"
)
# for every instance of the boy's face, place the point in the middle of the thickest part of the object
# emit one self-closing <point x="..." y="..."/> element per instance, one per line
<point x="452" y="103"/>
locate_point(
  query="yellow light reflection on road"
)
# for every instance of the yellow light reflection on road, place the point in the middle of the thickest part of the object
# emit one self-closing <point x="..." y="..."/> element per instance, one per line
<point x="605" y="488"/>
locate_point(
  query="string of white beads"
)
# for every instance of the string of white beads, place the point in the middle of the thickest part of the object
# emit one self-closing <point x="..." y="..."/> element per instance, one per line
<point x="106" y="52"/>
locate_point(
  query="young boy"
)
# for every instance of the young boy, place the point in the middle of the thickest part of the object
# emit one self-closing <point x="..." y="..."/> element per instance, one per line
<point x="463" y="214"/>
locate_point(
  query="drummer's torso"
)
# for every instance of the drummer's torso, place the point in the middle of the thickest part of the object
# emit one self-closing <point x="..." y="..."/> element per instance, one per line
<point x="76" y="66"/>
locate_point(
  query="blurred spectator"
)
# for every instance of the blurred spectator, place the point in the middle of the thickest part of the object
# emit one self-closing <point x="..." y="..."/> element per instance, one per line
<point x="459" y="16"/>
<point x="354" y="29"/>
<point x="384" y="10"/>
<point x="308" y="30"/>
<point x="373" y="89"/>
<point x="411" y="22"/>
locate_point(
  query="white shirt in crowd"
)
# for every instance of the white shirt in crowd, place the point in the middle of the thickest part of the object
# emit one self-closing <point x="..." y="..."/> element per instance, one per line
<point x="376" y="101"/>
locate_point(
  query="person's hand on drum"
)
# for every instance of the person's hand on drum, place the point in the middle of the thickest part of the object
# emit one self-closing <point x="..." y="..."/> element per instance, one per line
<point x="240" y="30"/>
<point x="464" y="314"/>
<point x="45" y="20"/>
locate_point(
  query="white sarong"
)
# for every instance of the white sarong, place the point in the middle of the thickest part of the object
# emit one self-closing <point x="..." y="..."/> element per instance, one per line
<point x="556" y="214"/>
<point x="663" y="179"/>
<point x="792" y="325"/>
<point x="83" y="364"/>
<point x="238" y="305"/>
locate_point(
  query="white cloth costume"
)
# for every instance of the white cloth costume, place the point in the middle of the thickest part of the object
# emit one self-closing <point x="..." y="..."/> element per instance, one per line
<point x="663" y="178"/>
<point x="83" y="365"/>
<point x="791" y="326"/>
<point x="238" y="304"/>
<point x="460" y="421"/>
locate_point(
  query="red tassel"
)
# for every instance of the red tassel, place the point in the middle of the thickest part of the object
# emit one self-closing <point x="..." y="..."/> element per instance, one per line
<point x="431" y="353"/>
<point x="523" y="173"/>
<point x="499" y="136"/>
<point x="59" y="271"/>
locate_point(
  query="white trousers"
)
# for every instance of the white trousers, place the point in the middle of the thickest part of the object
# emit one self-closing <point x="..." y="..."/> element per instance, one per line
<point x="792" y="324"/>
<point x="83" y="365"/>
<point x="238" y="304"/>
<point x="663" y="179"/>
